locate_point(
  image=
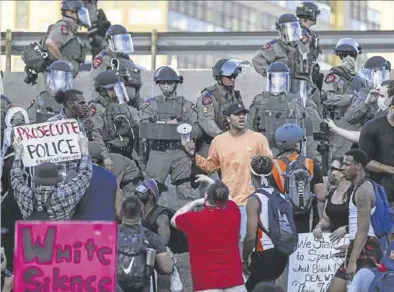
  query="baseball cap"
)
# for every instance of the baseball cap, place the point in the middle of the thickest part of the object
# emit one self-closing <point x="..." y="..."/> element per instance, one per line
<point x="149" y="185"/>
<point x="235" y="109"/>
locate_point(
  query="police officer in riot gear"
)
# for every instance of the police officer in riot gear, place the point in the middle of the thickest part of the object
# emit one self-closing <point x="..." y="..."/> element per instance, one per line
<point x="376" y="70"/>
<point x="341" y="84"/>
<point x="160" y="117"/>
<point x="276" y="106"/>
<point x="63" y="42"/>
<point x="115" y="123"/>
<point x="99" y="27"/>
<point x="212" y="103"/>
<point x="307" y="12"/>
<point x="44" y="106"/>
<point x="284" y="49"/>
<point x="116" y="57"/>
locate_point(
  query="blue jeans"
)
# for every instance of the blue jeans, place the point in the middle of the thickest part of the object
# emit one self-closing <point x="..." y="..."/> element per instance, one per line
<point x="242" y="231"/>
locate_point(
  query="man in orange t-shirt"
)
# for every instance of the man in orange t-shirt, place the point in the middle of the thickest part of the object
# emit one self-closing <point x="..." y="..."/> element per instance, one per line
<point x="232" y="152"/>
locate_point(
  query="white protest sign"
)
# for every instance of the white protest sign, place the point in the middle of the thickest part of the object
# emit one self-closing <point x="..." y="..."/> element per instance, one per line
<point x="49" y="142"/>
<point x="313" y="265"/>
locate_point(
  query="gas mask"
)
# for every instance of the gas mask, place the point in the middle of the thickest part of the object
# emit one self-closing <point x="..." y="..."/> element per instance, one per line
<point x="349" y="63"/>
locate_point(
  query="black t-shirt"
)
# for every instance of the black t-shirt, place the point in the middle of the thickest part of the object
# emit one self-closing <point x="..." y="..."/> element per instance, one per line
<point x="377" y="140"/>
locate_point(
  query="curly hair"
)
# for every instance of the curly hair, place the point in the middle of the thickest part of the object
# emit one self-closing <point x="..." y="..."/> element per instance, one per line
<point x="261" y="164"/>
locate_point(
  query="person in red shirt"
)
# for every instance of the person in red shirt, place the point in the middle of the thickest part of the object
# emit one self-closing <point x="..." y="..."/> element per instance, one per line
<point x="213" y="235"/>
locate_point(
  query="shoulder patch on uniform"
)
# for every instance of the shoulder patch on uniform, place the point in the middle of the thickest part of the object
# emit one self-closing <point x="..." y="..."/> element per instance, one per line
<point x="92" y="111"/>
<point x="206" y="100"/>
<point x="65" y="30"/>
<point x="268" y="45"/>
<point x="147" y="103"/>
<point x="330" y="78"/>
<point x="97" y="62"/>
<point x="305" y="39"/>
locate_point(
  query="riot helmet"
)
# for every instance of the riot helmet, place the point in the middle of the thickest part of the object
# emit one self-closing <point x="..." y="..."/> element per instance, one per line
<point x="288" y="27"/>
<point x="166" y="74"/>
<point x="228" y="68"/>
<point x="278" y="78"/>
<point x="347" y="47"/>
<point x="288" y="135"/>
<point x="83" y="18"/>
<point x="376" y="70"/>
<point x="308" y="10"/>
<point x="119" y="39"/>
<point x="60" y="77"/>
<point x="109" y="85"/>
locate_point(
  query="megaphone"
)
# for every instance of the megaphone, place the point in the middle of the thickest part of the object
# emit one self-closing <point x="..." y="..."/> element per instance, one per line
<point x="184" y="130"/>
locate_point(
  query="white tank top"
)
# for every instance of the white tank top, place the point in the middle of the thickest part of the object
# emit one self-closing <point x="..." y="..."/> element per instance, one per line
<point x="353" y="220"/>
<point x="265" y="241"/>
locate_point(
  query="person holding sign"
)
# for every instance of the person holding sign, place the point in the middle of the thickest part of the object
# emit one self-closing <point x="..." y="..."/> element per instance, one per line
<point x="50" y="200"/>
<point x="74" y="107"/>
<point x="364" y="249"/>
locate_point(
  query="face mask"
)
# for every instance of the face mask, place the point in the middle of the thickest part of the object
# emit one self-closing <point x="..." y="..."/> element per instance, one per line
<point x="349" y="63"/>
<point x="381" y="105"/>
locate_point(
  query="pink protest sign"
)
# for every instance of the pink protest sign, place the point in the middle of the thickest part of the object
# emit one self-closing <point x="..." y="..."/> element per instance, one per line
<point x="59" y="256"/>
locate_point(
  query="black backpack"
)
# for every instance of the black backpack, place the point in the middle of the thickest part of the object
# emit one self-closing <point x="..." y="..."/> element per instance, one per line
<point x="131" y="260"/>
<point x="178" y="241"/>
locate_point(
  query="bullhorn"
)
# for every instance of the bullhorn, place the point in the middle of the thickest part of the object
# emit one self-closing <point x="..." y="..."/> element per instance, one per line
<point x="184" y="130"/>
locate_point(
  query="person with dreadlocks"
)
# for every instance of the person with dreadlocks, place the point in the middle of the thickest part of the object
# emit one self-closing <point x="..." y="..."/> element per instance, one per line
<point x="257" y="252"/>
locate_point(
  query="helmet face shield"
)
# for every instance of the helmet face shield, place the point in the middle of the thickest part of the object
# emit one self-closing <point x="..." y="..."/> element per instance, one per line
<point x="117" y="91"/>
<point x="277" y="82"/>
<point x="234" y="67"/>
<point x="121" y="43"/>
<point x="290" y="31"/>
<point x="59" y="80"/>
<point x="375" y="76"/>
<point x="83" y="17"/>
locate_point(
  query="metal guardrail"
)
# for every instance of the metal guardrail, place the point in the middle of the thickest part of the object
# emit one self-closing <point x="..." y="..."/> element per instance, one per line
<point x="163" y="43"/>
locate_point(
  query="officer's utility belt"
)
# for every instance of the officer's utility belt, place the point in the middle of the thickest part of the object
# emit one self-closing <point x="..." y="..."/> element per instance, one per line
<point x="162" y="145"/>
<point x="207" y="139"/>
<point x="125" y="151"/>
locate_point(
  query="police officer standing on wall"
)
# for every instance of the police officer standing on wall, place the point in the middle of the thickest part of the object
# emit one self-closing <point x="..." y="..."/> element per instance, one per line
<point x="284" y="49"/>
<point x="116" y="57"/>
<point x="167" y="155"/>
<point x="276" y="106"/>
<point x="376" y="70"/>
<point x="63" y="42"/>
<point x="340" y="85"/>
<point x="115" y="123"/>
<point x="212" y="103"/>
<point x="307" y="12"/>
<point x="100" y="25"/>
<point x="59" y="77"/>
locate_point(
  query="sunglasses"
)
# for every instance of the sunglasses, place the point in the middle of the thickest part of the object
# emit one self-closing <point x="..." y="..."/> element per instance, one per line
<point x="334" y="168"/>
<point x="169" y="82"/>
